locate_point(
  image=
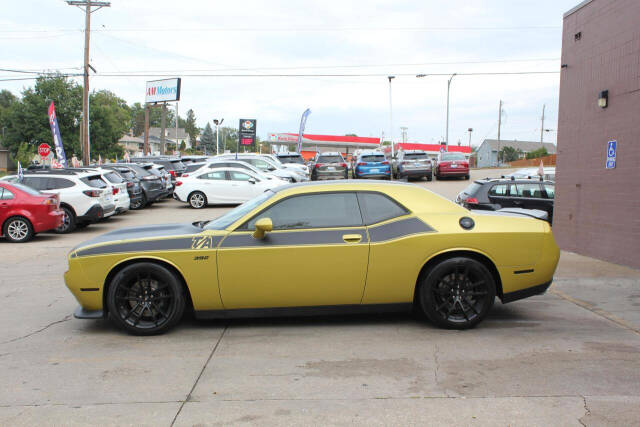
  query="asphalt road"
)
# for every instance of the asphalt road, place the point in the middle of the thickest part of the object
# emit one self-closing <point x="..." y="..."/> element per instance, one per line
<point x="569" y="357"/>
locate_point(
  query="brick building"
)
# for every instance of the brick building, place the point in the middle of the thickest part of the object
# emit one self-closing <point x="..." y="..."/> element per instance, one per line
<point x="597" y="210"/>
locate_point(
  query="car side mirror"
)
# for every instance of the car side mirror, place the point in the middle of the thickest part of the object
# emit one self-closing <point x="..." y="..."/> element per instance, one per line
<point x="252" y="181"/>
<point x="271" y="168"/>
<point x="262" y="226"/>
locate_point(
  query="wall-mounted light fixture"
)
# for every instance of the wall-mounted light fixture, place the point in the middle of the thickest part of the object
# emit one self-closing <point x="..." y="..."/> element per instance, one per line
<point x="603" y="99"/>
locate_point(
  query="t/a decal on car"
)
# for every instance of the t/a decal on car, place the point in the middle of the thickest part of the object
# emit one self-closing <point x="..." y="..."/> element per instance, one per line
<point x="202" y="242"/>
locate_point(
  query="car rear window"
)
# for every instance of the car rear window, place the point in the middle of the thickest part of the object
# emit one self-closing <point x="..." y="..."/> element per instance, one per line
<point x="178" y="165"/>
<point x="127" y="174"/>
<point x="114" y="178"/>
<point x="416" y="156"/>
<point x="330" y="159"/>
<point x="194" y="167"/>
<point x="94" y="181"/>
<point x="377" y="207"/>
<point x="291" y="159"/>
<point x="452" y="156"/>
<point x="472" y="189"/>
<point x="373" y="158"/>
<point x="26" y="189"/>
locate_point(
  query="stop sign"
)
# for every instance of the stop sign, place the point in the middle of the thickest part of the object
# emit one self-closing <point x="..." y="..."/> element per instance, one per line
<point x="44" y="150"/>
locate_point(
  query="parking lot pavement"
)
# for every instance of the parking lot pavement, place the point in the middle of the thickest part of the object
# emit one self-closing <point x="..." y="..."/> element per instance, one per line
<point x="569" y="357"/>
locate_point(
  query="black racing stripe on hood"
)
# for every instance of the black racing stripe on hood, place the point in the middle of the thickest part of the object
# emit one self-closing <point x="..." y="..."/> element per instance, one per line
<point x="180" y="243"/>
<point x="144" y="232"/>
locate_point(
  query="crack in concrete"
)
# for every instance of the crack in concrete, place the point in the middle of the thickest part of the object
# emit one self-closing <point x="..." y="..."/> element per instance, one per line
<point x="67" y="317"/>
<point x="587" y="411"/>
<point x="189" y="398"/>
<point x="436" y="371"/>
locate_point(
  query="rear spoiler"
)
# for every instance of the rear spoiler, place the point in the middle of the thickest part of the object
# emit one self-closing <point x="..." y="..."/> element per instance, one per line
<point x="531" y="213"/>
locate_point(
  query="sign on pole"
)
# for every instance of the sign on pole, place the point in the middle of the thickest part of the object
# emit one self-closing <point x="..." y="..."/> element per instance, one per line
<point x="163" y="90"/>
<point x="612" y="147"/>
<point x="247" y="133"/>
<point x="44" y="150"/>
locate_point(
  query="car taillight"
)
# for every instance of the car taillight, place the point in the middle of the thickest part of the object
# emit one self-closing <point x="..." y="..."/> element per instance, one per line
<point x="471" y="201"/>
<point x="178" y="183"/>
<point x="319" y="165"/>
<point x="129" y="184"/>
<point x="92" y="193"/>
<point x="385" y="162"/>
<point x="114" y="191"/>
<point x="362" y="164"/>
<point x="173" y="173"/>
<point x="343" y="165"/>
<point x="184" y="175"/>
<point x="50" y="201"/>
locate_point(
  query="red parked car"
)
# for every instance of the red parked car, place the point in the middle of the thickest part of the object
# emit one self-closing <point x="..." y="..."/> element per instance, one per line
<point x="25" y="212"/>
<point x="451" y="164"/>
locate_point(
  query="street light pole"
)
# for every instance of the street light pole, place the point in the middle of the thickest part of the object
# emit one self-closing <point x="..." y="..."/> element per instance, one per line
<point x="391" y="117"/>
<point x="448" y="90"/>
<point x="470" y="130"/>
<point x="217" y="123"/>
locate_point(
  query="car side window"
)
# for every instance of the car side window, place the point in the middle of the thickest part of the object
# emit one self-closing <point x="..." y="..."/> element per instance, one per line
<point x="218" y="176"/>
<point x="498" y="190"/>
<point x="5" y="194"/>
<point x="377" y="207"/>
<point x="57" y="183"/>
<point x="550" y="189"/>
<point x="239" y="176"/>
<point x="35" y="182"/>
<point x="218" y="165"/>
<point x="321" y="210"/>
<point x="528" y="190"/>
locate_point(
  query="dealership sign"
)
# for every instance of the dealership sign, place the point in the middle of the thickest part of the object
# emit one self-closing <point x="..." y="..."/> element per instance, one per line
<point x="247" y="132"/>
<point x="163" y="90"/>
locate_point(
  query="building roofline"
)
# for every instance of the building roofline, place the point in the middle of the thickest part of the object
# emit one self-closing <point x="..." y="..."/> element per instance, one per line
<point x="576" y="8"/>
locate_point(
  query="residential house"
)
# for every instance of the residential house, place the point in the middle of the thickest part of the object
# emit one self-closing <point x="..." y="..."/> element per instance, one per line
<point x="488" y="151"/>
<point x="134" y="145"/>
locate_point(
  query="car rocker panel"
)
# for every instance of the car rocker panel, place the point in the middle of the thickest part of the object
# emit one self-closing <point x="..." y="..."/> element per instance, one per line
<point x="381" y="264"/>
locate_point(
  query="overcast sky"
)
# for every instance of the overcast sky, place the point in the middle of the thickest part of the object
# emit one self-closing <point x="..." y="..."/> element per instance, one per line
<point x="401" y="38"/>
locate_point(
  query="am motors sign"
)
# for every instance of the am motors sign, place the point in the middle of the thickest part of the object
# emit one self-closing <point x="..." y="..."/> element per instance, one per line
<point x="163" y="90"/>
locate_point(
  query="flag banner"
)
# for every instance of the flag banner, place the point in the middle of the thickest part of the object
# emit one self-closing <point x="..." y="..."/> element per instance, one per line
<point x="99" y="160"/>
<point x="126" y="157"/>
<point x="57" y="139"/>
<point x="20" y="172"/>
<point x="303" y="122"/>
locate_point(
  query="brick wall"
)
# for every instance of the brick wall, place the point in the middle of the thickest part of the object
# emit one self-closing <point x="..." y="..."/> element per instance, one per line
<point x="597" y="211"/>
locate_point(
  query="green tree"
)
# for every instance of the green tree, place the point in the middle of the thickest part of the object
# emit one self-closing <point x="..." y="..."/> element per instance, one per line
<point x="25" y="154"/>
<point x="540" y="152"/>
<point x="27" y="120"/>
<point x="155" y="118"/>
<point x="190" y="126"/>
<point x="509" y="154"/>
<point x="208" y="139"/>
<point x="109" y="122"/>
<point x="6" y="101"/>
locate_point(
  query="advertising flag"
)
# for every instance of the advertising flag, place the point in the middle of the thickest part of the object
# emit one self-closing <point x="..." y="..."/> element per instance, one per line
<point x="99" y="160"/>
<point x="303" y="122"/>
<point x="126" y="157"/>
<point x="20" y="172"/>
<point x="57" y="139"/>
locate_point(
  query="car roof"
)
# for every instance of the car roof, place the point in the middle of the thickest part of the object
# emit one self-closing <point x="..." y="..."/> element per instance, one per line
<point x="414" y="152"/>
<point x="226" y="168"/>
<point x="288" y="153"/>
<point x="370" y="152"/>
<point x="330" y="153"/>
<point x="514" y="180"/>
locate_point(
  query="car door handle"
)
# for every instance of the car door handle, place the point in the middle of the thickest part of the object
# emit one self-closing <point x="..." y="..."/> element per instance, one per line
<point x="517" y="202"/>
<point x="352" y="238"/>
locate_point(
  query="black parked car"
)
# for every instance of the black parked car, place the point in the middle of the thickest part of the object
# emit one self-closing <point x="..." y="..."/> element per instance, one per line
<point x="152" y="187"/>
<point x="494" y="194"/>
<point x="134" y="187"/>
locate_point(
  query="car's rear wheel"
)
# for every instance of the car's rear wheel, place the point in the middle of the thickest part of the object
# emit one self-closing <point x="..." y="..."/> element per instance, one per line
<point x="197" y="200"/>
<point x="429" y="177"/>
<point x="137" y="204"/>
<point x="466" y="177"/>
<point x="457" y="293"/>
<point x="146" y="299"/>
<point x="18" y="230"/>
<point x="68" y="221"/>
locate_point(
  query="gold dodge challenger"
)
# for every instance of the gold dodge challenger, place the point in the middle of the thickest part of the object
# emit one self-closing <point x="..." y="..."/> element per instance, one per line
<point x="316" y="248"/>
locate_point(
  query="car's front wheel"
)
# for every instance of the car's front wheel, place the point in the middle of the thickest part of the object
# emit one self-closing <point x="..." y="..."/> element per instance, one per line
<point x="457" y="293"/>
<point x="146" y="299"/>
<point x="197" y="200"/>
<point x="18" y="230"/>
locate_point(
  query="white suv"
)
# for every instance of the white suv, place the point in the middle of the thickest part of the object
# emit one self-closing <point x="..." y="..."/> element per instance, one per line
<point x="118" y="188"/>
<point x="84" y="195"/>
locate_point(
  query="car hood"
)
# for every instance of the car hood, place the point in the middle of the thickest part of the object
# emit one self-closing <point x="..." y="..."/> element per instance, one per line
<point x="149" y="232"/>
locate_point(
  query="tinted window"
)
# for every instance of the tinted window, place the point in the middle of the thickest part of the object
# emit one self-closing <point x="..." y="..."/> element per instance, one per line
<point x="527" y="190"/>
<point x="57" y="183"/>
<point x="377" y="207"/>
<point x="472" y="189"/>
<point x="194" y="167"/>
<point x="128" y="174"/>
<point x="373" y="158"/>
<point x="291" y="159"/>
<point x="35" y="182"/>
<point x="452" y="156"/>
<point x="233" y="215"/>
<point x="416" y="156"/>
<point x="239" y="176"/>
<point x="26" y="189"/>
<point x="498" y="190"/>
<point x="219" y="165"/>
<point x="334" y="159"/>
<point x="551" y="190"/>
<point x="312" y="211"/>
<point x="94" y="181"/>
<point x="5" y="194"/>
<point x="219" y="175"/>
<point x="114" y="177"/>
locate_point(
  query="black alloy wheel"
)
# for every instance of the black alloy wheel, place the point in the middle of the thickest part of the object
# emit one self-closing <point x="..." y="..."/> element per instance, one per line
<point x="146" y="299"/>
<point x="457" y="293"/>
<point x="138" y="204"/>
<point x="18" y="230"/>
<point x="68" y="221"/>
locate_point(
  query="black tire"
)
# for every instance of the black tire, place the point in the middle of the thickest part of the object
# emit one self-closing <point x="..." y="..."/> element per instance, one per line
<point x="429" y="177"/>
<point x="68" y="221"/>
<point x="145" y="299"/>
<point x="81" y="225"/>
<point x="18" y="229"/>
<point x="457" y="293"/>
<point x="139" y="204"/>
<point x="197" y="200"/>
<point x="144" y="203"/>
<point x="466" y="177"/>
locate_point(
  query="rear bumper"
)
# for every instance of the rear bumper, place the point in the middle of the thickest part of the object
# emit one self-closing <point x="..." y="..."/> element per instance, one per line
<point x="48" y="222"/>
<point x="333" y="175"/>
<point x="367" y="173"/>
<point x="415" y="172"/>
<point x="154" y="194"/>
<point x="526" y="293"/>
<point x="108" y="210"/>
<point x="94" y="214"/>
<point x="453" y="172"/>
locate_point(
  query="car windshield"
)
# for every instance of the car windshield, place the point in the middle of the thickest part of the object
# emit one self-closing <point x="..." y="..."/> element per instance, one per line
<point x="330" y="159"/>
<point x="26" y="189"/>
<point x="452" y="156"/>
<point x="233" y="215"/>
<point x="373" y="158"/>
<point x="416" y="156"/>
<point x="292" y="159"/>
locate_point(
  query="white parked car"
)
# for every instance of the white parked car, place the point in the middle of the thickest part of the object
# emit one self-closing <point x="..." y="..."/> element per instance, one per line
<point x="84" y="197"/>
<point x="221" y="186"/>
<point x="266" y="165"/>
<point x="549" y="173"/>
<point x="118" y="188"/>
<point x="291" y="160"/>
<point x="238" y="164"/>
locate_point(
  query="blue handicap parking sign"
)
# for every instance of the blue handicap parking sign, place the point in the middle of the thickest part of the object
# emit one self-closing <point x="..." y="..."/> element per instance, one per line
<point x="612" y="147"/>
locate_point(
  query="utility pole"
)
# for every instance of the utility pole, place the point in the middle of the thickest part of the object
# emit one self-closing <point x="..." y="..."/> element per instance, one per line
<point x="177" y="148"/>
<point x="391" y="117"/>
<point x="163" y="126"/>
<point x="499" y="125"/>
<point x="88" y="6"/>
<point x="542" y="127"/>
<point x="404" y="133"/>
<point x="146" y="150"/>
<point x="470" y="130"/>
<point x="448" y="89"/>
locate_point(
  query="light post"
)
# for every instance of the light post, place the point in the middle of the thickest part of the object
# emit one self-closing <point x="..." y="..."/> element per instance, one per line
<point x="391" y="117"/>
<point x="448" y="90"/>
<point x="217" y="123"/>
<point x="470" y="130"/>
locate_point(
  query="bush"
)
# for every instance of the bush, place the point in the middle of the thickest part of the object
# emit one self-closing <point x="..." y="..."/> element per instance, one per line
<point x="540" y="152"/>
